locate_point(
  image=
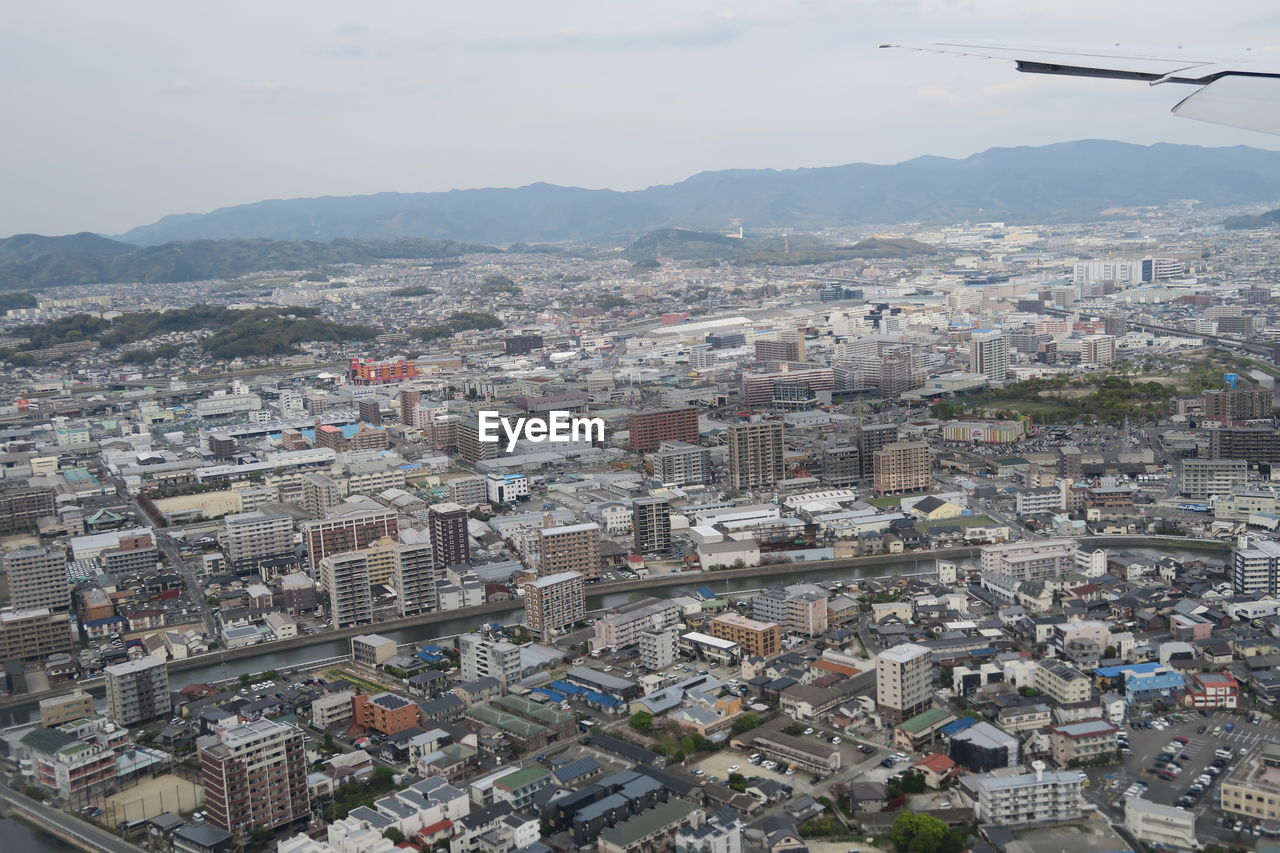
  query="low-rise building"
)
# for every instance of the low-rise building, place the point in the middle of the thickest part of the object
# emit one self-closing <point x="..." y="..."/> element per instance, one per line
<point x="1009" y="798"/>
<point x="1160" y="825"/>
<point x="1083" y="742"/>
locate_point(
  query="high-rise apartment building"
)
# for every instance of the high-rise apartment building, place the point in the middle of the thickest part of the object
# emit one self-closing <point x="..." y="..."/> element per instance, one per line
<point x="649" y="429"/>
<point x="22" y="506"/>
<point x="1244" y="404"/>
<point x="1204" y="478"/>
<point x="449" y="534"/>
<point x="1252" y="444"/>
<point x="841" y="464"/>
<point x="37" y="578"/>
<point x="470" y="447"/>
<point x="870" y="438"/>
<point x="799" y="608"/>
<point x="33" y="635"/>
<point x="347" y="530"/>
<point x="410" y="400"/>
<point x="553" y="602"/>
<point x="624" y="624"/>
<point x="651" y="523"/>
<point x="903" y="467"/>
<point x="658" y="647"/>
<point x="320" y="493"/>
<point x="989" y="355"/>
<point x="414" y="577"/>
<point x="344" y="578"/>
<point x="254" y="777"/>
<point x="782" y="346"/>
<point x="1098" y="350"/>
<point x="248" y="539"/>
<point x="137" y="691"/>
<point x="482" y="657"/>
<point x="755" y="454"/>
<point x="572" y="548"/>
<point x="904" y="682"/>
<point x="678" y="463"/>
<point x="1255" y="566"/>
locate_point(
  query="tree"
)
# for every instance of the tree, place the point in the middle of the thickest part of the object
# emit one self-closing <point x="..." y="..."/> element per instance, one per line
<point x="920" y="833"/>
<point x="245" y="679"/>
<point x="1111" y="651"/>
<point x="746" y="723"/>
<point x="737" y="782"/>
<point x="394" y="835"/>
<point x="642" y="721"/>
<point x="259" y="836"/>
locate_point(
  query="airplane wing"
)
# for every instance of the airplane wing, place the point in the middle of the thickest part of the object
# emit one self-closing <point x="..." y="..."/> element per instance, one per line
<point x="1242" y="91"/>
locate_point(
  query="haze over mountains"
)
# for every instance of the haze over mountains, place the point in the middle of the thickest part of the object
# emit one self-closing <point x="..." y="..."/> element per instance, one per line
<point x="1067" y="181"/>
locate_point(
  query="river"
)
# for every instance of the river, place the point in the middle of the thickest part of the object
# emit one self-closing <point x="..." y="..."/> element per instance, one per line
<point x="27" y="838"/>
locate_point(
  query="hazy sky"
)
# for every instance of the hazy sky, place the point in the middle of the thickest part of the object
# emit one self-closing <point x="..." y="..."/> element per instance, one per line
<point x="119" y="113"/>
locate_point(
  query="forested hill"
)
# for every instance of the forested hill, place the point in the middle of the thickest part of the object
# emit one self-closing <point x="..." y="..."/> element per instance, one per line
<point x="33" y="261"/>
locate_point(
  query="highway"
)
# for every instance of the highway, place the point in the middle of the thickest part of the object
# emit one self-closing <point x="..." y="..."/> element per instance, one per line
<point x="65" y="827"/>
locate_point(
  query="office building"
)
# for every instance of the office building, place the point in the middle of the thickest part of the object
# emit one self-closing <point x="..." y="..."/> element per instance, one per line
<point x="483" y="657"/>
<point x="137" y="691"/>
<point x="679" y="463"/>
<point x="1204" y="478"/>
<point x="414" y="577"/>
<point x="37" y="578"/>
<point x="553" y="602"/>
<point x="1098" y="350"/>
<point x="521" y="344"/>
<point x="448" y="523"/>
<point x="344" y="579"/>
<point x="1250" y="789"/>
<point x="1160" y="826"/>
<point x="755" y="454"/>
<point x="989" y="355"/>
<point x="651" y="524"/>
<point x="648" y="430"/>
<point x="346" y="530"/>
<point x="254" y="777"/>
<point x="1016" y="799"/>
<point x="248" y="539"/>
<point x="33" y="635"/>
<point x="904" y="682"/>
<point x="903" y="467"/>
<point x="1158" y="269"/>
<point x="757" y="390"/>
<point x="756" y="638"/>
<point x="572" y="548"/>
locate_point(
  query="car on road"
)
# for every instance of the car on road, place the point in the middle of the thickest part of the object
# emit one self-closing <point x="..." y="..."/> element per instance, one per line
<point x="836" y="740"/>
<point x="809" y="730"/>
<point x="866" y="750"/>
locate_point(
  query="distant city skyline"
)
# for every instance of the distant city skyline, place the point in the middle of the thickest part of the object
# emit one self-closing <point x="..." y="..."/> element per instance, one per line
<point x="119" y="115"/>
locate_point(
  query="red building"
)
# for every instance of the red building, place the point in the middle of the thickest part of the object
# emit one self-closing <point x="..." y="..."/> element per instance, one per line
<point x="650" y="429"/>
<point x="385" y="712"/>
<point x="1211" y="690"/>
<point x="365" y="371"/>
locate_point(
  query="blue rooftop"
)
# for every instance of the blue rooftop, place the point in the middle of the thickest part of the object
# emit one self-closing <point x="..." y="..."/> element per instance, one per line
<point x="1125" y="669"/>
<point x="957" y="726"/>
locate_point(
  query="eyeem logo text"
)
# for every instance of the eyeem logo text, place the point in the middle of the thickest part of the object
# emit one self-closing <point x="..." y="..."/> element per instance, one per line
<point x="558" y="427"/>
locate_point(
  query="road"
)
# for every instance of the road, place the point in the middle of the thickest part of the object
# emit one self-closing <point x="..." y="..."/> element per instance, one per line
<point x="183" y="566"/>
<point x="70" y="829"/>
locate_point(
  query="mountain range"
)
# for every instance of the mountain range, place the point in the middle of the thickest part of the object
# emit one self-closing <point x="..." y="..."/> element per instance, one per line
<point x="1068" y="181"/>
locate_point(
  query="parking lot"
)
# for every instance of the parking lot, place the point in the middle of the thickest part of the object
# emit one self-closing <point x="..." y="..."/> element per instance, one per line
<point x="1108" y="785"/>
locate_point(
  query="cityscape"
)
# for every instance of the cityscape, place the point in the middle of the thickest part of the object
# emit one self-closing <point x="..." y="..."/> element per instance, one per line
<point x="710" y="517"/>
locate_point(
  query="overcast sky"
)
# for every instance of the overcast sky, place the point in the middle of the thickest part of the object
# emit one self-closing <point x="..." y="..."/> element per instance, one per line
<point x="119" y="113"/>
